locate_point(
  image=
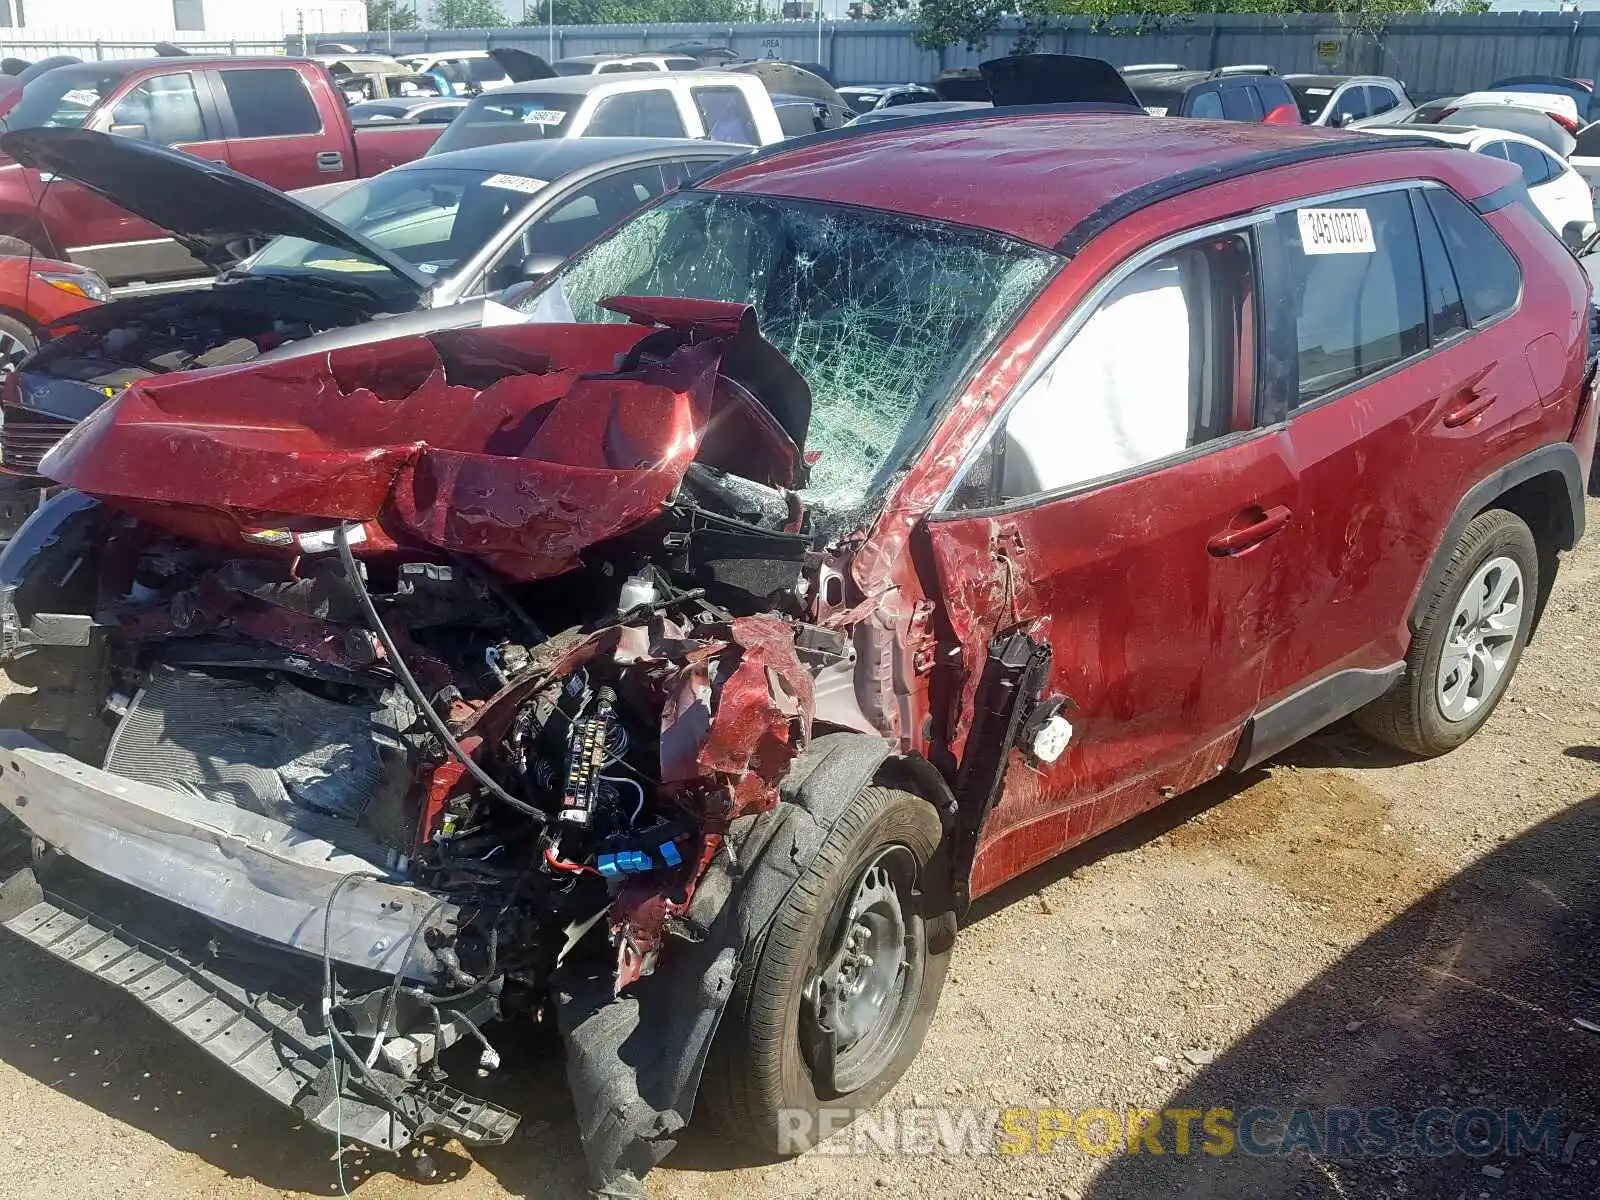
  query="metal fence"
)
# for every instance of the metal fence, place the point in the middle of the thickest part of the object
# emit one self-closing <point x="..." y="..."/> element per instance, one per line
<point x="1434" y="55"/>
<point x="36" y="46"/>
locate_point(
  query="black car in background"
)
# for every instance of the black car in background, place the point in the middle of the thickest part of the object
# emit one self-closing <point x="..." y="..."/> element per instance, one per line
<point x="1225" y="94"/>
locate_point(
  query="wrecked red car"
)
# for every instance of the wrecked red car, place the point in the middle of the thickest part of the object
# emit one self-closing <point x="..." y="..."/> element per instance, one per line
<point x="839" y="538"/>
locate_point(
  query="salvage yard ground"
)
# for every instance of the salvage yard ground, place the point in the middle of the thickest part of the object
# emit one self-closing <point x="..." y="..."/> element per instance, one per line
<point x="1341" y="928"/>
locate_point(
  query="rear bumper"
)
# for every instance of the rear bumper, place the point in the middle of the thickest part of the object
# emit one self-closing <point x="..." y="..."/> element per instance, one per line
<point x="248" y="872"/>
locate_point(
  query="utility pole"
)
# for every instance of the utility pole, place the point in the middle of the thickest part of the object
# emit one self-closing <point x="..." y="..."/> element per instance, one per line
<point x="551" y="31"/>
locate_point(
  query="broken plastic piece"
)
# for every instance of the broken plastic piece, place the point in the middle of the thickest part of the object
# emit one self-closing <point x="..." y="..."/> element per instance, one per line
<point x="1051" y="741"/>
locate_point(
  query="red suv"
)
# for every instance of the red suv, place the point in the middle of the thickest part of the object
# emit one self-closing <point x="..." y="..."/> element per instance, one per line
<point x="844" y="535"/>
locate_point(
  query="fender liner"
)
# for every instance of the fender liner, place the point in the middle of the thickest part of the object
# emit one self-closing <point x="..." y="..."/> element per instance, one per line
<point x="1557" y="458"/>
<point x="634" y="1061"/>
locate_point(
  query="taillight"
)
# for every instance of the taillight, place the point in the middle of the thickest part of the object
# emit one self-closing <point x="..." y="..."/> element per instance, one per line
<point x="1284" y="114"/>
<point x="1565" y="122"/>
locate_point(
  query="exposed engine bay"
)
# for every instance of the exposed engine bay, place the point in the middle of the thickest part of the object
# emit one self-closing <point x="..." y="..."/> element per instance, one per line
<point x="515" y="623"/>
<point x="232" y="323"/>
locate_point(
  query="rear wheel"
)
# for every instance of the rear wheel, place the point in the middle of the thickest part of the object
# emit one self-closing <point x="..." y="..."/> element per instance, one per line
<point x="836" y="1005"/>
<point x="1469" y="643"/>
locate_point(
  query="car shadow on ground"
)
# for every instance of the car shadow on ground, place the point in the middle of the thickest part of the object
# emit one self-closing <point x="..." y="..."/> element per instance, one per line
<point x="1479" y="996"/>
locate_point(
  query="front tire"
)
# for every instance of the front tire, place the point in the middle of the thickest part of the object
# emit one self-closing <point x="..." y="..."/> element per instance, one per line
<point x="1469" y="643"/>
<point x="17" y="341"/>
<point x="835" y="1006"/>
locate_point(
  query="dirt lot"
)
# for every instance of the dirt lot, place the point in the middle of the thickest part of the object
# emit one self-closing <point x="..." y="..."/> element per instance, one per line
<point x="1340" y="929"/>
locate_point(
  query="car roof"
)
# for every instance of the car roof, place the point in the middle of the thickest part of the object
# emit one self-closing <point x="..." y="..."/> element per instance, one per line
<point x="585" y="83"/>
<point x="1334" y="81"/>
<point x="1458" y="135"/>
<point x="617" y="56"/>
<point x="1034" y="176"/>
<point x="562" y="156"/>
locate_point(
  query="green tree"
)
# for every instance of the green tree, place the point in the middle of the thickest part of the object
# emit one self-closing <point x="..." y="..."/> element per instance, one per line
<point x="641" y="12"/>
<point x="390" y="14"/>
<point x="467" y="14"/>
<point x="971" y="22"/>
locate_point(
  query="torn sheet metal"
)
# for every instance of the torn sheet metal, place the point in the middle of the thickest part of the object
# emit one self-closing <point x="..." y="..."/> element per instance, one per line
<point x="519" y="446"/>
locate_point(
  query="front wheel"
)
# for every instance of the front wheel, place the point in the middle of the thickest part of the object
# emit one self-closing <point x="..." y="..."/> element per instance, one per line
<point x="832" y="1011"/>
<point x="1470" y="640"/>
<point x="16" y="343"/>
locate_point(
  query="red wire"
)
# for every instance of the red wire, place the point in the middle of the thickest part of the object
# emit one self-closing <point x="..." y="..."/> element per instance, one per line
<point x="561" y="865"/>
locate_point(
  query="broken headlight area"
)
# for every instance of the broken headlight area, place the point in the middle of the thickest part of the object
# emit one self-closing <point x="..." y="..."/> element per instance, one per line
<point x="473" y="650"/>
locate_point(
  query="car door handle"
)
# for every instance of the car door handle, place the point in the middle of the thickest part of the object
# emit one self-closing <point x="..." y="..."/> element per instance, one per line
<point x="330" y="160"/>
<point x="1260" y="525"/>
<point x="1466" y="406"/>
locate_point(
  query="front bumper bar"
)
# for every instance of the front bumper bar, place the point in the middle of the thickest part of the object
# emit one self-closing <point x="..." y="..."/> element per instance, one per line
<point x="242" y="870"/>
<point x="254" y="1012"/>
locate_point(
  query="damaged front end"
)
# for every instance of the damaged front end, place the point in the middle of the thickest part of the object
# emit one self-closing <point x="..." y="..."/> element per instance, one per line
<point x="436" y="677"/>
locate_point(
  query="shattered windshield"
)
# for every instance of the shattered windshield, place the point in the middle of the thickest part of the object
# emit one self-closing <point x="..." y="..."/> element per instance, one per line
<point x="882" y="314"/>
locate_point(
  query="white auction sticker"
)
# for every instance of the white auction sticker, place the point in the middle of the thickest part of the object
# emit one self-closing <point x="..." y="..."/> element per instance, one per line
<point x="1155" y="110"/>
<point x="1319" y="91"/>
<point x="516" y="183"/>
<point x="544" y="116"/>
<point x="1336" y="231"/>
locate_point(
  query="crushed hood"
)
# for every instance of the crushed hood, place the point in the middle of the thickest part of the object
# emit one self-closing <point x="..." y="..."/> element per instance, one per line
<point x="517" y="445"/>
<point x="210" y="209"/>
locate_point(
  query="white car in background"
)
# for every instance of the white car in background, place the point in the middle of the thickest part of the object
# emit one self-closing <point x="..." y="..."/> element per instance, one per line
<point x="1559" y="193"/>
<point x="466" y="70"/>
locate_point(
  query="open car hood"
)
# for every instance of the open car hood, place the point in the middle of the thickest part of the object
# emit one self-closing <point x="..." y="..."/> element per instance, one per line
<point x="519" y="445"/>
<point x="1019" y="79"/>
<point x="211" y="210"/>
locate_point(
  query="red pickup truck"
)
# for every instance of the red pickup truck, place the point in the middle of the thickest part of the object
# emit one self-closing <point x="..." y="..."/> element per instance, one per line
<point x="279" y="120"/>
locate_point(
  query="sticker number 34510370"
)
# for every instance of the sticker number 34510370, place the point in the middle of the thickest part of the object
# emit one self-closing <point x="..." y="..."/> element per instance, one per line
<point x="1335" y="231"/>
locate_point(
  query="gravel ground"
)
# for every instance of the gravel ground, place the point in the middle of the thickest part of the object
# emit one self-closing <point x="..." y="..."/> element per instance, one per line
<point x="1341" y="929"/>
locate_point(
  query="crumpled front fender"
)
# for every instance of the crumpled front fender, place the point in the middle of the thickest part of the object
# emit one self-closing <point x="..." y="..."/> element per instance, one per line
<point x="635" y="1061"/>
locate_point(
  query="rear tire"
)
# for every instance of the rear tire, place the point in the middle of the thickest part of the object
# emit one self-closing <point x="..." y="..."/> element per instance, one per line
<point x="1473" y="631"/>
<point x="835" y="1006"/>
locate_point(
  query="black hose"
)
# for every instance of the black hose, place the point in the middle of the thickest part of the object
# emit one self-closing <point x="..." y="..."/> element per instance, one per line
<point x="412" y="689"/>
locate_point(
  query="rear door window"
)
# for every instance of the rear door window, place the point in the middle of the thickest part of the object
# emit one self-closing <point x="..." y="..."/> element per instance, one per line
<point x="1242" y="103"/>
<point x="1447" y="316"/>
<point x="270" y="102"/>
<point x="651" y="112"/>
<point x="1381" y="99"/>
<point x="1206" y="104"/>
<point x="1356" y="272"/>
<point x="1537" y="166"/>
<point x="1489" y="276"/>
<point x="726" y="115"/>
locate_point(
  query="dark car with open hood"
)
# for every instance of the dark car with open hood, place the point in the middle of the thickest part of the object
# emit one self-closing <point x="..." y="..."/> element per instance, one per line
<point x="828" y="544"/>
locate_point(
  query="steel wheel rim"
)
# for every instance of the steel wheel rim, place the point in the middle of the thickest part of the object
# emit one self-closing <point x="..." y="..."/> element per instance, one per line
<point x="861" y="997"/>
<point x="1482" y="635"/>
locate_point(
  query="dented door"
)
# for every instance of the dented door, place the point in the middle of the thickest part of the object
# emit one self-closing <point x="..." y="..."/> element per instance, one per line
<point x="1157" y="640"/>
<point x="1139" y="533"/>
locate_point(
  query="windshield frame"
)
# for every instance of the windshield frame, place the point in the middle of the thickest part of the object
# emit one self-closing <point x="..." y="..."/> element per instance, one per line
<point x="932" y="408"/>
